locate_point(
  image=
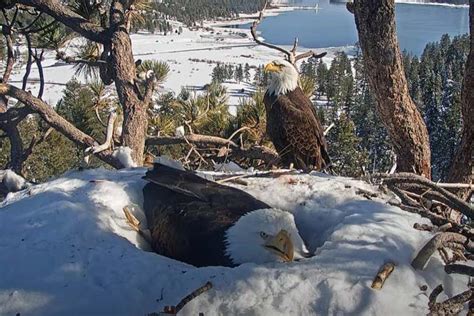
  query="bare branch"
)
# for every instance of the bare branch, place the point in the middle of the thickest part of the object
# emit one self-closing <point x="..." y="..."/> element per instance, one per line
<point x="50" y="116"/>
<point x="444" y="196"/>
<point x="459" y="269"/>
<point x="38" y="60"/>
<point x="29" y="62"/>
<point x="255" y="152"/>
<point x="451" y="306"/>
<point x="290" y="55"/>
<point x="439" y="241"/>
<point x="66" y="16"/>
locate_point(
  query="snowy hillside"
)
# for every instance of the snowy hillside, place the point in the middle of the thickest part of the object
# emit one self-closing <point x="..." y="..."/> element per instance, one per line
<point x="65" y="249"/>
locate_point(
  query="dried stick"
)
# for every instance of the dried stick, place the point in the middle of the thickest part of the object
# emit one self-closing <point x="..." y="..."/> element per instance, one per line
<point x="416" y="181"/>
<point x="173" y="310"/>
<point x="459" y="269"/>
<point x="439" y="241"/>
<point x="451" y="306"/>
<point x="382" y="275"/>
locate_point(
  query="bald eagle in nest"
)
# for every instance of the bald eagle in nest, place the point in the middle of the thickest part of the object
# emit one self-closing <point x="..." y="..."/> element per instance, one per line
<point x="204" y="223"/>
<point x="292" y="122"/>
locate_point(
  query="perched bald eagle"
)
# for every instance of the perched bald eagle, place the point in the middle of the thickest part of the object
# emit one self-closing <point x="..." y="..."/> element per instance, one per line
<point x="205" y="223"/>
<point x="292" y="122"/>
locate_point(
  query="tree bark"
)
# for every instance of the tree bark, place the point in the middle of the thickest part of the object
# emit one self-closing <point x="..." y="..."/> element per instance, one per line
<point x="462" y="165"/>
<point x="375" y="20"/>
<point x="135" y="117"/>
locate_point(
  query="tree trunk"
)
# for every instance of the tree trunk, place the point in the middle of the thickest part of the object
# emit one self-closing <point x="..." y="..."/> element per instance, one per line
<point x="461" y="167"/>
<point x="375" y="20"/>
<point x="135" y="119"/>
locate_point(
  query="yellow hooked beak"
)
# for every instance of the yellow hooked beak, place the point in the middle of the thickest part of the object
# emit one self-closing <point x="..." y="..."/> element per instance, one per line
<point x="281" y="245"/>
<point x="271" y="67"/>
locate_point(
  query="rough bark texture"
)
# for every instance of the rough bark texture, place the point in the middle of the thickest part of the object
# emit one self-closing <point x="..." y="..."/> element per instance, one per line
<point x="375" y="20"/>
<point x="117" y="65"/>
<point x="135" y="119"/>
<point x="462" y="165"/>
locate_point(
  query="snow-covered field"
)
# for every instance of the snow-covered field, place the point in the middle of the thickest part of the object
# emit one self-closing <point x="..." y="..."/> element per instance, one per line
<point x="65" y="249"/>
<point x="191" y="56"/>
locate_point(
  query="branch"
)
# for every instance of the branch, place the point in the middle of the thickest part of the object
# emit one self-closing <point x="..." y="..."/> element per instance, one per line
<point x="459" y="269"/>
<point x="38" y="60"/>
<point x="437" y="242"/>
<point x="56" y="121"/>
<point x="10" y="55"/>
<point x="445" y="196"/>
<point x="291" y="55"/>
<point x="255" y="152"/>
<point x="69" y="18"/>
<point x="451" y="306"/>
<point x="35" y="142"/>
<point x="382" y="275"/>
<point x="28" y="62"/>
<point x="71" y="60"/>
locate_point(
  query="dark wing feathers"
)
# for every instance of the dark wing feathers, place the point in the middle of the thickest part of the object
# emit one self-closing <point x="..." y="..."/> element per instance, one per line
<point x="295" y="130"/>
<point x="188" y="215"/>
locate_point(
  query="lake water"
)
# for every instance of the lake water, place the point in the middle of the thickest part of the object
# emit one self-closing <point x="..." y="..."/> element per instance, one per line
<point x="332" y="25"/>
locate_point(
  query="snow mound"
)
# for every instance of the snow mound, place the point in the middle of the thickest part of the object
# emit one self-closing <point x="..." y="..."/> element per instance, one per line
<point x="124" y="155"/>
<point x="12" y="181"/>
<point x="65" y="249"/>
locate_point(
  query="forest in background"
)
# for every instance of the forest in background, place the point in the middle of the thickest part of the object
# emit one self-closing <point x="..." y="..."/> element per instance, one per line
<point x="358" y="142"/>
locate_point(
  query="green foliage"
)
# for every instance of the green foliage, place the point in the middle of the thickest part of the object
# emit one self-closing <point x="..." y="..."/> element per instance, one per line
<point x="193" y="11"/>
<point x="159" y="68"/>
<point x="345" y="151"/>
<point x="89" y="52"/>
<point x="251" y="114"/>
<point x="435" y="84"/>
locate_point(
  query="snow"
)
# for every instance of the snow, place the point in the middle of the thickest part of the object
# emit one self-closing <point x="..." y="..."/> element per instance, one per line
<point x="191" y="55"/>
<point x="12" y="181"/>
<point x="124" y="155"/>
<point x="65" y="249"/>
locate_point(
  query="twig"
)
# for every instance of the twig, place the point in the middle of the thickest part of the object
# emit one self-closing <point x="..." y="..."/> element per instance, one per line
<point x="173" y="310"/>
<point x="382" y="275"/>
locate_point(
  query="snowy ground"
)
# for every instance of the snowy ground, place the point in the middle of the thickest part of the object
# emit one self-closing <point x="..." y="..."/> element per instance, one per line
<point x="191" y="56"/>
<point x="65" y="249"/>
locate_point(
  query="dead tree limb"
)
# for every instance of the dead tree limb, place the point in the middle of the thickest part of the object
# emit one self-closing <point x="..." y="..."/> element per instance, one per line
<point x="449" y="240"/>
<point x="437" y="193"/>
<point x="290" y="55"/>
<point x="450" y="307"/>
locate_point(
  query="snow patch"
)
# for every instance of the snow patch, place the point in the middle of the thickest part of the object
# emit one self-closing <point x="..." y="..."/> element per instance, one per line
<point x="66" y="249"/>
<point x="13" y="182"/>
<point x="124" y="155"/>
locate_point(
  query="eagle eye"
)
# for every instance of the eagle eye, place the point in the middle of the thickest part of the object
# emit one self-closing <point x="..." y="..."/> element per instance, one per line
<point x="263" y="235"/>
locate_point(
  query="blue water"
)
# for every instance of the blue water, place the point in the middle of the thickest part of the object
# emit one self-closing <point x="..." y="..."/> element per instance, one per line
<point x="332" y="25"/>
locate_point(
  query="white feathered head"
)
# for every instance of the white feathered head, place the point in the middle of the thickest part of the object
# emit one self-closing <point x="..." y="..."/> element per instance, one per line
<point x="265" y="235"/>
<point x="284" y="77"/>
